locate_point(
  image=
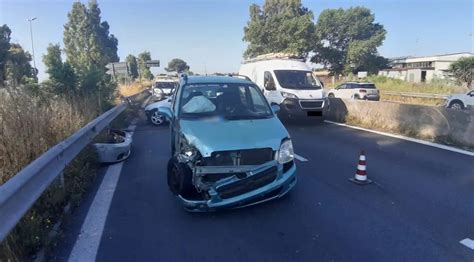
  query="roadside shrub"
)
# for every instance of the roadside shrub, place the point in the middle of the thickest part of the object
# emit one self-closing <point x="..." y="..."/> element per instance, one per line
<point x="133" y="88"/>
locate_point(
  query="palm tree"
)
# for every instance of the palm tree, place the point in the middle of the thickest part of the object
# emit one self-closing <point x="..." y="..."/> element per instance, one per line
<point x="463" y="70"/>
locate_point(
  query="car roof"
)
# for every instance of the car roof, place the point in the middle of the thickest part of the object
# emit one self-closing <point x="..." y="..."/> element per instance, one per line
<point x="217" y="80"/>
<point x="359" y="83"/>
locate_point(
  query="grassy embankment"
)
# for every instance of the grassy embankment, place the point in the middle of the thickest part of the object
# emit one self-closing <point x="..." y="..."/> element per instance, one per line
<point x="437" y="86"/>
<point x="30" y="125"/>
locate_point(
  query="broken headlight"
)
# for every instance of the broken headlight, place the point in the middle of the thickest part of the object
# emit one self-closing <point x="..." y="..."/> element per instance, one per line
<point x="286" y="153"/>
<point x="187" y="153"/>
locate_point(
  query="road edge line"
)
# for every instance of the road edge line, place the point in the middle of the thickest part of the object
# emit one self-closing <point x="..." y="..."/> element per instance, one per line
<point x="86" y="245"/>
<point x="415" y="140"/>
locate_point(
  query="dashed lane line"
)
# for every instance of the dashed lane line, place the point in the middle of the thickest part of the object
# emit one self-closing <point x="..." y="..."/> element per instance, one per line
<point x="300" y="158"/>
<point x="468" y="243"/>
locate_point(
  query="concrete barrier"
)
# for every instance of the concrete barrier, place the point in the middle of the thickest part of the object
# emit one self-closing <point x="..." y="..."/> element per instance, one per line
<point x="426" y="122"/>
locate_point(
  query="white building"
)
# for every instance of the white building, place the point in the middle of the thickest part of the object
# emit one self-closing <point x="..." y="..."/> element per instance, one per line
<point x="423" y="68"/>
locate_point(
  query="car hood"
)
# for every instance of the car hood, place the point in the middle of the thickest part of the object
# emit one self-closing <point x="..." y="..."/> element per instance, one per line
<point x="212" y="135"/>
<point x="152" y="106"/>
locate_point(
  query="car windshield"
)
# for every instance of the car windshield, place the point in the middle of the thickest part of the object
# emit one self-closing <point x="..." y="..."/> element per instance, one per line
<point x="228" y="101"/>
<point x="165" y="85"/>
<point x="297" y="79"/>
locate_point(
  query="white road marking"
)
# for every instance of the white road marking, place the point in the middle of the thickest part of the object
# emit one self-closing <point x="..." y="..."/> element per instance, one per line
<point x="300" y="158"/>
<point x="88" y="241"/>
<point x="468" y="243"/>
<point x="419" y="141"/>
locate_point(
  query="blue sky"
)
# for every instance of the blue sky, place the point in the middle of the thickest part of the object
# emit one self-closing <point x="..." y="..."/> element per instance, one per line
<point x="208" y="33"/>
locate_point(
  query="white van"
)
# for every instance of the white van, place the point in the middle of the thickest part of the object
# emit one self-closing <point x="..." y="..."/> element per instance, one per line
<point x="287" y="82"/>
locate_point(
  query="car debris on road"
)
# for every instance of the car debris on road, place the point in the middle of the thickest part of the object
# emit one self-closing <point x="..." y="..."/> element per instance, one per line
<point x="117" y="149"/>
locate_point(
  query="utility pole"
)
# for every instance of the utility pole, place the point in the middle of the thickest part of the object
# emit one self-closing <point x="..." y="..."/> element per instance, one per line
<point x="32" y="46"/>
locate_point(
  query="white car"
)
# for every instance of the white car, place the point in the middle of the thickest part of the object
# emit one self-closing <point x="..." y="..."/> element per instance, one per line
<point x="164" y="87"/>
<point x="461" y="101"/>
<point x="154" y="116"/>
<point x="355" y="90"/>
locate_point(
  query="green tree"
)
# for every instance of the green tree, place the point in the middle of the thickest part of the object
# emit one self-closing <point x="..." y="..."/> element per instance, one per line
<point x="17" y="69"/>
<point x="89" y="46"/>
<point x="5" y="33"/>
<point x="177" y="65"/>
<point x="62" y="79"/>
<point x="132" y="66"/>
<point x="281" y="26"/>
<point x="347" y="40"/>
<point x="463" y="70"/>
<point x="144" y="70"/>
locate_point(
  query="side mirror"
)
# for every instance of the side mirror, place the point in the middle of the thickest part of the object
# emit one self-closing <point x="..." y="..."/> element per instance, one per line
<point x="166" y="111"/>
<point x="275" y="108"/>
<point x="270" y="86"/>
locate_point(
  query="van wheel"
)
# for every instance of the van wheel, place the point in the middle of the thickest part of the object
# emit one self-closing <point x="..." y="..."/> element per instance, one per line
<point x="179" y="178"/>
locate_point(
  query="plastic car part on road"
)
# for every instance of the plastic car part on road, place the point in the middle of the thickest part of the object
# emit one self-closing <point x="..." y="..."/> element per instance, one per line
<point x="117" y="150"/>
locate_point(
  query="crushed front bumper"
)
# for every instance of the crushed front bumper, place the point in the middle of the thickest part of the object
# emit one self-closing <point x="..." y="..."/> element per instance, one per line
<point x="222" y="194"/>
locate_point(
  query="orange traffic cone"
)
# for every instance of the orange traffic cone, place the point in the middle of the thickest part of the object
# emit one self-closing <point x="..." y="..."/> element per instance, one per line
<point x="361" y="173"/>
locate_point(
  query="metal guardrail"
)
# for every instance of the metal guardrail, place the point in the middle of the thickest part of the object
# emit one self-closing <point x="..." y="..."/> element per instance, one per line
<point x="19" y="193"/>
<point x="409" y="94"/>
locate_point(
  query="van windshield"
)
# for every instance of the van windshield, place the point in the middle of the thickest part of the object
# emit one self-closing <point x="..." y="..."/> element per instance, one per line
<point x="296" y="79"/>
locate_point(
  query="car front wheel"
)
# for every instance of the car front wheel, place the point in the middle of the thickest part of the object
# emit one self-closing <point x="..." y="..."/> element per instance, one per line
<point x="331" y="95"/>
<point x="157" y="118"/>
<point x="179" y="178"/>
<point x="456" y="105"/>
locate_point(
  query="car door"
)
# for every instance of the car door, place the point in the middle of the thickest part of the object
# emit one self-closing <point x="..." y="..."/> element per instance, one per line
<point x="343" y="91"/>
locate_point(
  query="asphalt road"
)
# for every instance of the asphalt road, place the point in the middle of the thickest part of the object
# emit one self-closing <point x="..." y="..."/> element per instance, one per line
<point x="419" y="208"/>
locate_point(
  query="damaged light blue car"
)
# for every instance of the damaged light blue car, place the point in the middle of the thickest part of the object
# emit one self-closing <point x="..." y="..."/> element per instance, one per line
<point x="228" y="147"/>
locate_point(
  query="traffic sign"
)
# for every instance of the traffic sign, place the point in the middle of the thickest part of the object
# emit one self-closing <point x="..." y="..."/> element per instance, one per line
<point x="119" y="68"/>
<point x="152" y="63"/>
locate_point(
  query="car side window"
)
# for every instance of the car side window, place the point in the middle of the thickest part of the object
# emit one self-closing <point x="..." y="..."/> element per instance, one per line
<point x="268" y="81"/>
<point x="470" y="93"/>
<point x="343" y="86"/>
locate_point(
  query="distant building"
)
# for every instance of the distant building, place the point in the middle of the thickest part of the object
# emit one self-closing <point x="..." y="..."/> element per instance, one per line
<point x="423" y="68"/>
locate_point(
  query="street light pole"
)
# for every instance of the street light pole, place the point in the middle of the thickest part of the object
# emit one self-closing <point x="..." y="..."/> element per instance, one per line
<point x="32" y="46"/>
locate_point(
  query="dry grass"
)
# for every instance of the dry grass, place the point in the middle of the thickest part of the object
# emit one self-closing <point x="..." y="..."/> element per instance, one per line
<point x="31" y="125"/>
<point x="413" y="100"/>
<point x="436" y="86"/>
<point x="133" y="88"/>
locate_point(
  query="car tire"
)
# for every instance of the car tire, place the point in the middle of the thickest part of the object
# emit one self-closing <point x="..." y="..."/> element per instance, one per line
<point x="457" y="105"/>
<point x="180" y="178"/>
<point x="156" y="118"/>
<point x="331" y="95"/>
